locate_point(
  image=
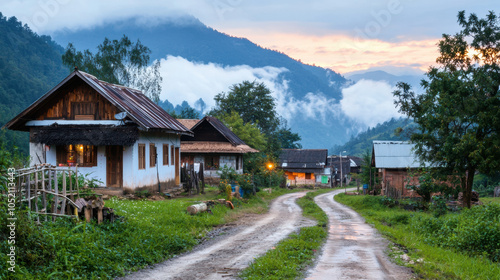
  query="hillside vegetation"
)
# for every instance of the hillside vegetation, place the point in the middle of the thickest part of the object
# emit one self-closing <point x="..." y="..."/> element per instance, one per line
<point x="29" y="66"/>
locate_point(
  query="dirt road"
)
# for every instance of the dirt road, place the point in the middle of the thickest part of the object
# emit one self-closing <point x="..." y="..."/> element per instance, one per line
<point x="224" y="256"/>
<point x="354" y="250"/>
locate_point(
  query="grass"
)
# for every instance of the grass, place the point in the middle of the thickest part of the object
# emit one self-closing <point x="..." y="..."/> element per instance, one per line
<point x="289" y="258"/>
<point x="429" y="260"/>
<point x="490" y="199"/>
<point x="150" y="232"/>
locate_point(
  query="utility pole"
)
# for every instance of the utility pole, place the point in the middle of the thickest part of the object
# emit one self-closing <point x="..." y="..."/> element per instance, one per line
<point x="341" y="172"/>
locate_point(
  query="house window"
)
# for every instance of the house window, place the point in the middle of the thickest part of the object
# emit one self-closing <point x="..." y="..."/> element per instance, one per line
<point x="211" y="162"/>
<point x="237" y="162"/>
<point x="165" y="154"/>
<point x="152" y="155"/>
<point x="172" y="154"/>
<point x="142" y="156"/>
<point x="83" y="110"/>
<point x="71" y="155"/>
<point x="308" y="176"/>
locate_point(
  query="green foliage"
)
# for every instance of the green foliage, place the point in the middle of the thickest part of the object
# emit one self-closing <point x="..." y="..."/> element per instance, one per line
<point x="119" y="62"/>
<point x="29" y="66"/>
<point x="254" y="103"/>
<point x="438" y="206"/>
<point x="368" y="173"/>
<point x="248" y="132"/>
<point x="458" y="115"/>
<point x="189" y="113"/>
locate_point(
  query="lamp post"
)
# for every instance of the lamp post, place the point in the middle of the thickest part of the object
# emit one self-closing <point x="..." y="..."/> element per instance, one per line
<point x="270" y="166"/>
<point x="341" y="172"/>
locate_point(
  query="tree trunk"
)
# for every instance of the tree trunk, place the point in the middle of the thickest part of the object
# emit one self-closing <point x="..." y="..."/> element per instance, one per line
<point x="468" y="187"/>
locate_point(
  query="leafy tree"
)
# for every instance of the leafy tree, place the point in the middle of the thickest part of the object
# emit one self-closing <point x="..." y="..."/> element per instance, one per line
<point x="368" y="173"/>
<point x="247" y="132"/>
<point x="254" y="103"/>
<point x="286" y="138"/>
<point x="120" y="62"/>
<point x="458" y="115"/>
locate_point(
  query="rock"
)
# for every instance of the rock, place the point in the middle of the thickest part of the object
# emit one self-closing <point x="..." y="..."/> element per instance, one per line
<point x="405" y="257"/>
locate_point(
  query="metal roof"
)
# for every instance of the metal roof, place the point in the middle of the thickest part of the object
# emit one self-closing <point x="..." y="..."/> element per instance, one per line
<point x="394" y="154"/>
<point x="139" y="108"/>
<point x="303" y="158"/>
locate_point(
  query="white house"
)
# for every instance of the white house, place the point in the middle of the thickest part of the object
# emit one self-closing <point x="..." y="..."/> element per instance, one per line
<point x="114" y="133"/>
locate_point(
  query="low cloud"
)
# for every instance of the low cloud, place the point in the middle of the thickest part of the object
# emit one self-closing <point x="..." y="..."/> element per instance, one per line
<point x="369" y="102"/>
<point x="190" y="81"/>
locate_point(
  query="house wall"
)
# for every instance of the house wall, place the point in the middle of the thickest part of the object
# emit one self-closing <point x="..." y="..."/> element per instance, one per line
<point x="133" y="178"/>
<point x="224" y="160"/>
<point x="95" y="172"/>
<point x="394" y="182"/>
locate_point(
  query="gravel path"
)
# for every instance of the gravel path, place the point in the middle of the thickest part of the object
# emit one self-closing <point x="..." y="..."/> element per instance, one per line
<point x="224" y="256"/>
<point x="354" y="250"/>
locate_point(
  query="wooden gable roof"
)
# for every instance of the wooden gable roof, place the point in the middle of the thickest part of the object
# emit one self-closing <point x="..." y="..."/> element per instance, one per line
<point x="138" y="108"/>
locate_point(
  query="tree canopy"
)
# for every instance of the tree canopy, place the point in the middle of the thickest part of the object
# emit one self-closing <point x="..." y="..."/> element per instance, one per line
<point x="247" y="132"/>
<point x="459" y="113"/>
<point x="254" y="104"/>
<point x="119" y="62"/>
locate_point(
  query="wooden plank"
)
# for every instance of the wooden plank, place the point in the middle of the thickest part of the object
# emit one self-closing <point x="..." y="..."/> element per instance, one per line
<point x="99" y="215"/>
<point x="88" y="213"/>
<point x="71" y="185"/>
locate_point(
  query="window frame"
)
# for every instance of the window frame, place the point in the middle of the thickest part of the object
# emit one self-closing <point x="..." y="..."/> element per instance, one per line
<point x="165" y="154"/>
<point x="152" y="155"/>
<point x="141" y="151"/>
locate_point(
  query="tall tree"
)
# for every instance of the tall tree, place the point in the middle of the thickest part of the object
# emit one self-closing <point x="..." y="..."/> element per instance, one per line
<point x="120" y="62"/>
<point x="254" y="103"/>
<point x="247" y="132"/>
<point x="459" y="113"/>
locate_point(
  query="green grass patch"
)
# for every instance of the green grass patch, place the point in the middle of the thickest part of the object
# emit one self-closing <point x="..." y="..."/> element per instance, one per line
<point x="490" y="200"/>
<point x="453" y="246"/>
<point x="289" y="258"/>
<point x="150" y="232"/>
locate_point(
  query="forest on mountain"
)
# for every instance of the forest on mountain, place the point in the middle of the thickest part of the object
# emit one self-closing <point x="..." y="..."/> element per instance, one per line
<point x="30" y="65"/>
<point x="394" y="129"/>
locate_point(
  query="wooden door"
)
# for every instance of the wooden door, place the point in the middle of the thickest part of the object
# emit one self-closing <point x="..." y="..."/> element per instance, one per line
<point x="177" y="167"/>
<point x="114" y="166"/>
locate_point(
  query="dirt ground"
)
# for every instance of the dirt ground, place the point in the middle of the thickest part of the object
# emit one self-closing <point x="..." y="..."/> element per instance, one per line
<point x="354" y="250"/>
<point x="234" y="247"/>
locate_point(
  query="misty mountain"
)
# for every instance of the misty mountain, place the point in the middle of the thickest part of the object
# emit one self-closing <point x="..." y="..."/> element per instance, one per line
<point x="30" y="65"/>
<point x="379" y="75"/>
<point x="394" y="129"/>
<point x="307" y="86"/>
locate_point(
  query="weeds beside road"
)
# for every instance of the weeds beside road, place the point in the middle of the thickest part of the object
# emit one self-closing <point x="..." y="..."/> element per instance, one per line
<point x="453" y="246"/>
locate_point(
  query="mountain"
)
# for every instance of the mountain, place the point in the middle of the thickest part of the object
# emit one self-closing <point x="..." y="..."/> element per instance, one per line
<point x="359" y="144"/>
<point x="190" y="39"/>
<point x="30" y="65"/>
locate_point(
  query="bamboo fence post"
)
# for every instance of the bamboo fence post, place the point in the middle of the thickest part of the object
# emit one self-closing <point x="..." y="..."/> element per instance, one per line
<point x="56" y="190"/>
<point x="28" y="193"/>
<point x="72" y="196"/>
<point x="77" y="185"/>
<point x="44" y="197"/>
<point x="63" y="204"/>
<point x="36" y="195"/>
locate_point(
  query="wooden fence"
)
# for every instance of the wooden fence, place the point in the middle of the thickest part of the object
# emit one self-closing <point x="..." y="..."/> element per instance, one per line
<point x="48" y="190"/>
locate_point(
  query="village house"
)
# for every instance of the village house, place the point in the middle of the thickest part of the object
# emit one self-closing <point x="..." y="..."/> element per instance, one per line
<point x="394" y="160"/>
<point x="305" y="166"/>
<point x="113" y="133"/>
<point x="350" y="165"/>
<point x="213" y="146"/>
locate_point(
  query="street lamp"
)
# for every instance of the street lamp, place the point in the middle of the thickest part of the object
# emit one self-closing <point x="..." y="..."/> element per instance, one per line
<point x="341" y="175"/>
<point x="270" y="167"/>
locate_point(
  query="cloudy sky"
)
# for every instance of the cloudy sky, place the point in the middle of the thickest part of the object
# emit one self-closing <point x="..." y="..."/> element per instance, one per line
<point x="343" y="35"/>
<point x="398" y="36"/>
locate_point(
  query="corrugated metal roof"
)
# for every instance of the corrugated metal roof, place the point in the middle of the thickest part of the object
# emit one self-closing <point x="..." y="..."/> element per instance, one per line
<point x="140" y="109"/>
<point x="395" y="154"/>
<point x="303" y="158"/>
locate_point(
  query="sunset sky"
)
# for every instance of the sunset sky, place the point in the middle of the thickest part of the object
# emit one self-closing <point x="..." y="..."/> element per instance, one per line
<point x="342" y="35"/>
